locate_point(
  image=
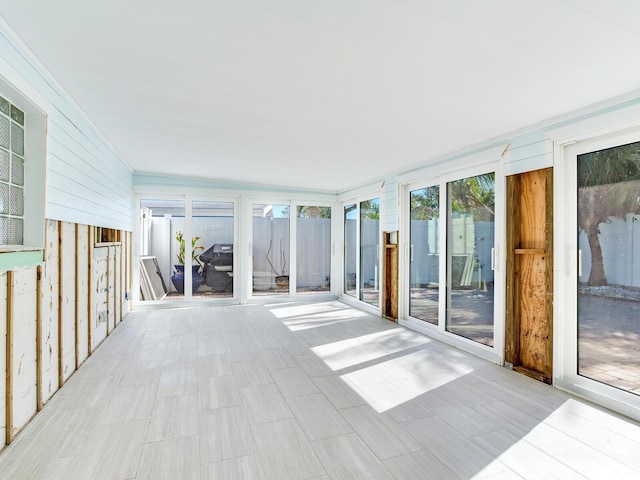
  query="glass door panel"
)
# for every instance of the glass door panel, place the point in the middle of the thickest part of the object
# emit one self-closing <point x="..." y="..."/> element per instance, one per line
<point x="313" y="253"/>
<point x="609" y="272"/>
<point x="470" y="242"/>
<point x="271" y="249"/>
<point x="424" y="254"/>
<point x="213" y="227"/>
<point x="161" y="264"/>
<point x="370" y="251"/>
<point x="350" y="249"/>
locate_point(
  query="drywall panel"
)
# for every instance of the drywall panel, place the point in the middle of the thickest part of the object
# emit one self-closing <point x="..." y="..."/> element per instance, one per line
<point x="99" y="296"/>
<point x="82" y="156"/>
<point x="49" y="312"/>
<point x="125" y="297"/>
<point x="24" y="346"/>
<point x="3" y="356"/>
<point x="111" y="286"/>
<point x="82" y="298"/>
<point x="67" y="295"/>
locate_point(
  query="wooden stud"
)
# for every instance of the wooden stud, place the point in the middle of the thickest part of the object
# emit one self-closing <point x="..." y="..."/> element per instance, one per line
<point x="108" y="280"/>
<point x="513" y="188"/>
<point x="90" y="288"/>
<point x="60" y="308"/>
<point x="548" y="371"/>
<point x="121" y="271"/>
<point x="39" y="338"/>
<point x="129" y="265"/>
<point x="76" y="312"/>
<point x="9" y="361"/>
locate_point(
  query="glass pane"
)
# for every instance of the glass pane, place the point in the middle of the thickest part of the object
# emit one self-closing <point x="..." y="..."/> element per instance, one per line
<point x="15" y="231"/>
<point x="16" y="201"/>
<point x="4" y="165"/>
<point x="17" y="140"/>
<point x="424" y="255"/>
<point x="4" y="132"/>
<point x="271" y="249"/>
<point x="608" y="289"/>
<point x="4" y="231"/>
<point x="162" y="264"/>
<point x="5" y="106"/>
<point x="213" y="227"/>
<point x="17" y="169"/>
<point x="17" y="115"/>
<point x="370" y="251"/>
<point x="4" y="198"/>
<point x="350" y="249"/>
<point x="313" y="249"/>
<point x="470" y="240"/>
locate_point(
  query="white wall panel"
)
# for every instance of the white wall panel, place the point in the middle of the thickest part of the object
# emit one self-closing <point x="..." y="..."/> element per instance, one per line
<point x="87" y="182"/>
<point x="99" y="296"/>
<point x="68" y="299"/>
<point x="82" y="300"/>
<point x="24" y="346"/>
<point x="49" y="312"/>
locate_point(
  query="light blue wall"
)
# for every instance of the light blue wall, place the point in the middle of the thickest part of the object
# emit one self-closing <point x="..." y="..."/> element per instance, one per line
<point x="86" y="181"/>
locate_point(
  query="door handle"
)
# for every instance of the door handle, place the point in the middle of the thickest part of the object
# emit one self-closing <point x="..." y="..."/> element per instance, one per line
<point x="579" y="262"/>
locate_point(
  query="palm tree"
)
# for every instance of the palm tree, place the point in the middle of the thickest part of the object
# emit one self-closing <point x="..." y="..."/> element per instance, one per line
<point x="474" y="195"/>
<point x="608" y="188"/>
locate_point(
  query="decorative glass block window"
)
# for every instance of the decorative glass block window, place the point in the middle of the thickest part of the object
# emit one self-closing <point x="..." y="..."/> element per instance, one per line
<point x="11" y="173"/>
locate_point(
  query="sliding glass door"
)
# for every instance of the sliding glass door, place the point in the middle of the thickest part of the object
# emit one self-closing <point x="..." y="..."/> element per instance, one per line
<point x="271" y="233"/>
<point x="370" y="251"/>
<point x="454" y="294"/>
<point x="361" y="229"/>
<point x="350" y="249"/>
<point x="608" y="283"/>
<point x="313" y="249"/>
<point x="186" y="242"/>
<point x="470" y="244"/>
<point x="424" y="254"/>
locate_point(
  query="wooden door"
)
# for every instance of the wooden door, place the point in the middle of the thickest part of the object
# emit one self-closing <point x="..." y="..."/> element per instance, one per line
<point x="529" y="316"/>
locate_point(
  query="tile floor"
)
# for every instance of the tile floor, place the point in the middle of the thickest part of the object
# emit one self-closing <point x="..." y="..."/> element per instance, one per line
<point x="308" y="391"/>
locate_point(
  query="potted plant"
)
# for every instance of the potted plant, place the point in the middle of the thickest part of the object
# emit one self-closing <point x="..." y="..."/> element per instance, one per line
<point x="178" y="277"/>
<point x="282" y="279"/>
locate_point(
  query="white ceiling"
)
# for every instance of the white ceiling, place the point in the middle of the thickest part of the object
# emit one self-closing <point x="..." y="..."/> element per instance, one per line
<point x="324" y="94"/>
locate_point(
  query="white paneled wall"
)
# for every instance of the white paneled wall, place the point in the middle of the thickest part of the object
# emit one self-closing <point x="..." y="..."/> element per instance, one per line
<point x="86" y="181"/>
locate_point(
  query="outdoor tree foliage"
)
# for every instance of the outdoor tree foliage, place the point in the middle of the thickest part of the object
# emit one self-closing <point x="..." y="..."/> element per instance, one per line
<point x="425" y="203"/>
<point x="474" y="195"/>
<point x="608" y="187"/>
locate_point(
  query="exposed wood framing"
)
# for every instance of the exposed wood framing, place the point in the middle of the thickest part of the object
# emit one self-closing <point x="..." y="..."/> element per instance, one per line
<point x="108" y="287"/>
<point x="60" y="308"/>
<point x="76" y="309"/>
<point x="39" y="338"/>
<point x="511" y="347"/>
<point x="90" y="290"/>
<point x="390" y="281"/>
<point x="119" y="278"/>
<point x="529" y="293"/>
<point x="9" y="361"/>
<point x="548" y="371"/>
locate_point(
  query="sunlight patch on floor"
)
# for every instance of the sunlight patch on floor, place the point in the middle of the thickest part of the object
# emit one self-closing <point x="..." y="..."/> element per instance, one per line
<point x="366" y="348"/>
<point x="306" y="309"/>
<point x="391" y="383"/>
